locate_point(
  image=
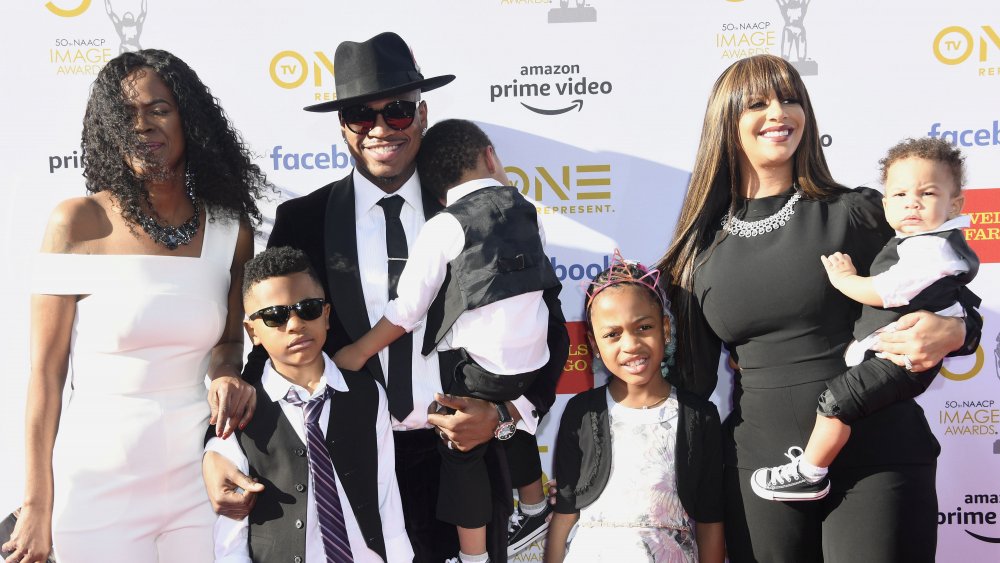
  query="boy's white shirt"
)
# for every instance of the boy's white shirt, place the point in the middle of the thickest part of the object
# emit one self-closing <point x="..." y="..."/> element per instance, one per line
<point x="231" y="536"/>
<point x="922" y="261"/>
<point x="506" y="337"/>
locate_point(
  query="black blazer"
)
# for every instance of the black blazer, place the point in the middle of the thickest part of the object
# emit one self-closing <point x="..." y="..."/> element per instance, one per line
<point x="582" y="463"/>
<point x="322" y="224"/>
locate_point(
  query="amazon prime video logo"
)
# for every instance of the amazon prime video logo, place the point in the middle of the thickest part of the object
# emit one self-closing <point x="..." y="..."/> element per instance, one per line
<point x="550" y="89"/>
<point x="579" y="12"/>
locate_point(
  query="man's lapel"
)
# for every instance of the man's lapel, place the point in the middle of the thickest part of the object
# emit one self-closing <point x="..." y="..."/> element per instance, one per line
<point x="342" y="272"/>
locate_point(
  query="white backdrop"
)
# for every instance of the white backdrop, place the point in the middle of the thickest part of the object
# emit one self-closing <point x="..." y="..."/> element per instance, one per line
<point x="596" y="109"/>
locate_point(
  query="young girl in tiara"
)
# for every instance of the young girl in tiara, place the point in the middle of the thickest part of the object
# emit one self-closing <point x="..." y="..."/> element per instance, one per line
<point x="638" y="462"/>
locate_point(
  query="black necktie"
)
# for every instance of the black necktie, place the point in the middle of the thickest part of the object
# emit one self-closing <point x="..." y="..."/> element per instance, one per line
<point x="400" y="389"/>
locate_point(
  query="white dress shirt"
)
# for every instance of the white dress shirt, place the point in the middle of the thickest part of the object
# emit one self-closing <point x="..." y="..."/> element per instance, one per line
<point x="922" y="261"/>
<point x="373" y="268"/>
<point x="231" y="536"/>
<point x="505" y="337"/>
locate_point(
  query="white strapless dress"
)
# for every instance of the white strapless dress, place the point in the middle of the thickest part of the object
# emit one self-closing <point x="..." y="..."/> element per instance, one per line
<point x="127" y="460"/>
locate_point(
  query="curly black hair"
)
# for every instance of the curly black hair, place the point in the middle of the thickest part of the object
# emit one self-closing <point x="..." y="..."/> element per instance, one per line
<point x="448" y="149"/>
<point x="218" y="161"/>
<point x="274" y="262"/>
<point x="935" y="150"/>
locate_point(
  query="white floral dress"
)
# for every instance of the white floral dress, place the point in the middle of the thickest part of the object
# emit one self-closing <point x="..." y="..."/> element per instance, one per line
<point x="638" y="516"/>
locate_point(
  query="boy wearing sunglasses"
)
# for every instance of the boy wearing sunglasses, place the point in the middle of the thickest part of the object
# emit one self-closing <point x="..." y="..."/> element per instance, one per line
<point x="478" y="278"/>
<point x="320" y="440"/>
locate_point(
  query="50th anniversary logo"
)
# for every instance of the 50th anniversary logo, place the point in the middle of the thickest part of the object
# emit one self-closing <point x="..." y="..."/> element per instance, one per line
<point x="87" y="52"/>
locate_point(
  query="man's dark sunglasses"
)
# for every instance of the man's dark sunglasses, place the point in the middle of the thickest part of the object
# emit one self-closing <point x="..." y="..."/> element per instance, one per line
<point x="278" y="315"/>
<point x="397" y="114"/>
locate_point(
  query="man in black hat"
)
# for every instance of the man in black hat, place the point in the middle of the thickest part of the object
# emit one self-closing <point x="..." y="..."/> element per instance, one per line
<point x="356" y="233"/>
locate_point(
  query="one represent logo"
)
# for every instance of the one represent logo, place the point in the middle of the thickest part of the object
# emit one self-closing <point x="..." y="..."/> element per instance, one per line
<point x="293" y="70"/>
<point x="128" y="26"/>
<point x="550" y="89"/>
<point x="565" y="190"/>
<point x="956" y="45"/>
<point x="68" y="12"/>
<point x="979" y="510"/>
<point x="573" y="11"/>
<point x="794" y="42"/>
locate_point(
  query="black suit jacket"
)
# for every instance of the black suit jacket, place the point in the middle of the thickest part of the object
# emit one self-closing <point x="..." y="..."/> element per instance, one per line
<point x="322" y="224"/>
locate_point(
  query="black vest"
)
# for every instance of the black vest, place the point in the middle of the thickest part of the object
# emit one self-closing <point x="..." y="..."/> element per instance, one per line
<point x="937" y="296"/>
<point x="278" y="460"/>
<point x="502" y="258"/>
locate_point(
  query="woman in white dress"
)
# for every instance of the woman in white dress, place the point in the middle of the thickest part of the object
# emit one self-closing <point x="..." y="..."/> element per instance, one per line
<point x="136" y="297"/>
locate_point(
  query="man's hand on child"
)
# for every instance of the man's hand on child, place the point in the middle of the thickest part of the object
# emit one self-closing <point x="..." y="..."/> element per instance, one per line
<point x="473" y="423"/>
<point x="350" y="358"/>
<point x="232" y="493"/>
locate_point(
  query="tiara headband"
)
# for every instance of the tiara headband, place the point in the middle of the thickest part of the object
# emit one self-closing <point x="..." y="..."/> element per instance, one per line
<point x="620" y="271"/>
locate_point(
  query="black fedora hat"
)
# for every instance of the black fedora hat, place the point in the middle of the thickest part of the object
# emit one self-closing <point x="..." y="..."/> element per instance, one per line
<point x="373" y="69"/>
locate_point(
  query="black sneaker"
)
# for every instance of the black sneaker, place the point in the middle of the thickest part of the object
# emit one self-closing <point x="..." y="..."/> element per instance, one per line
<point x="785" y="483"/>
<point x="523" y="529"/>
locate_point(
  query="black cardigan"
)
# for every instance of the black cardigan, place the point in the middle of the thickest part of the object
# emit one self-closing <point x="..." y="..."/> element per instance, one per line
<point x="582" y="463"/>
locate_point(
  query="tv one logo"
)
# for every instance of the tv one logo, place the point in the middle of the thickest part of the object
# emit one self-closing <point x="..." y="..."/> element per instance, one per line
<point x="954" y="45"/>
<point x="68" y="12"/>
<point x="292" y="69"/>
<point x="584" y="182"/>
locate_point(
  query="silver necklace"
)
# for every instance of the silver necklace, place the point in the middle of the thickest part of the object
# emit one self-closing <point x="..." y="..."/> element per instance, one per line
<point x="168" y="235"/>
<point x="748" y="229"/>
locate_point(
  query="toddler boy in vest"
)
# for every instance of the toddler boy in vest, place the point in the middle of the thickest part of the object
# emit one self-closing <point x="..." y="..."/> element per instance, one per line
<point x="320" y="440"/>
<point x="478" y="276"/>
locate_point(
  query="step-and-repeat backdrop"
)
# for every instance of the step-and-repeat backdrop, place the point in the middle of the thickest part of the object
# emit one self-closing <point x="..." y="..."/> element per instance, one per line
<point x="595" y="107"/>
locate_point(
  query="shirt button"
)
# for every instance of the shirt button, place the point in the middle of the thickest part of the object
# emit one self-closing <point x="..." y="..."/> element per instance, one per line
<point x="300" y="452"/>
<point x="297" y="559"/>
<point x="300" y="487"/>
<point x="298" y="524"/>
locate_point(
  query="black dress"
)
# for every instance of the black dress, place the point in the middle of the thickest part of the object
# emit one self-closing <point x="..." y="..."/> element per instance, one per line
<point x="768" y="300"/>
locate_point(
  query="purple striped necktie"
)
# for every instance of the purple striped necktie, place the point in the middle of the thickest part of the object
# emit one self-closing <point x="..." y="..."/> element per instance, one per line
<point x="331" y="514"/>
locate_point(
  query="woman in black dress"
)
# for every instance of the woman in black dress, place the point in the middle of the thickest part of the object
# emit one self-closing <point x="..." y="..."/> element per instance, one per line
<point x="745" y="271"/>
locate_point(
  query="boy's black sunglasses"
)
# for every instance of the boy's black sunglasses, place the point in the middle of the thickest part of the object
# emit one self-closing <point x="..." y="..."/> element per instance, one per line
<point x="397" y="114"/>
<point x="278" y="315"/>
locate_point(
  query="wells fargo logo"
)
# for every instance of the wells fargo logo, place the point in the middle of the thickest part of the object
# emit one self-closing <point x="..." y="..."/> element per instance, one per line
<point x="565" y="190"/>
<point x="292" y="70"/>
<point x="68" y="12"/>
<point x="578" y="373"/>
<point x="955" y="45"/>
<point x="983" y="234"/>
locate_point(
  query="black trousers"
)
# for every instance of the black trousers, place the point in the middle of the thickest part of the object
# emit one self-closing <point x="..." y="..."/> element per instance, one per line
<point x="418" y="470"/>
<point x="465" y="496"/>
<point x="522" y="459"/>
<point x="880" y="514"/>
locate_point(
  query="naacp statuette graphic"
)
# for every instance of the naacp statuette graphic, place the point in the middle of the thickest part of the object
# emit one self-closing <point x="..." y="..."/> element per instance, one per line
<point x="793" y="36"/>
<point x="579" y="13"/>
<point x="128" y="27"/>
